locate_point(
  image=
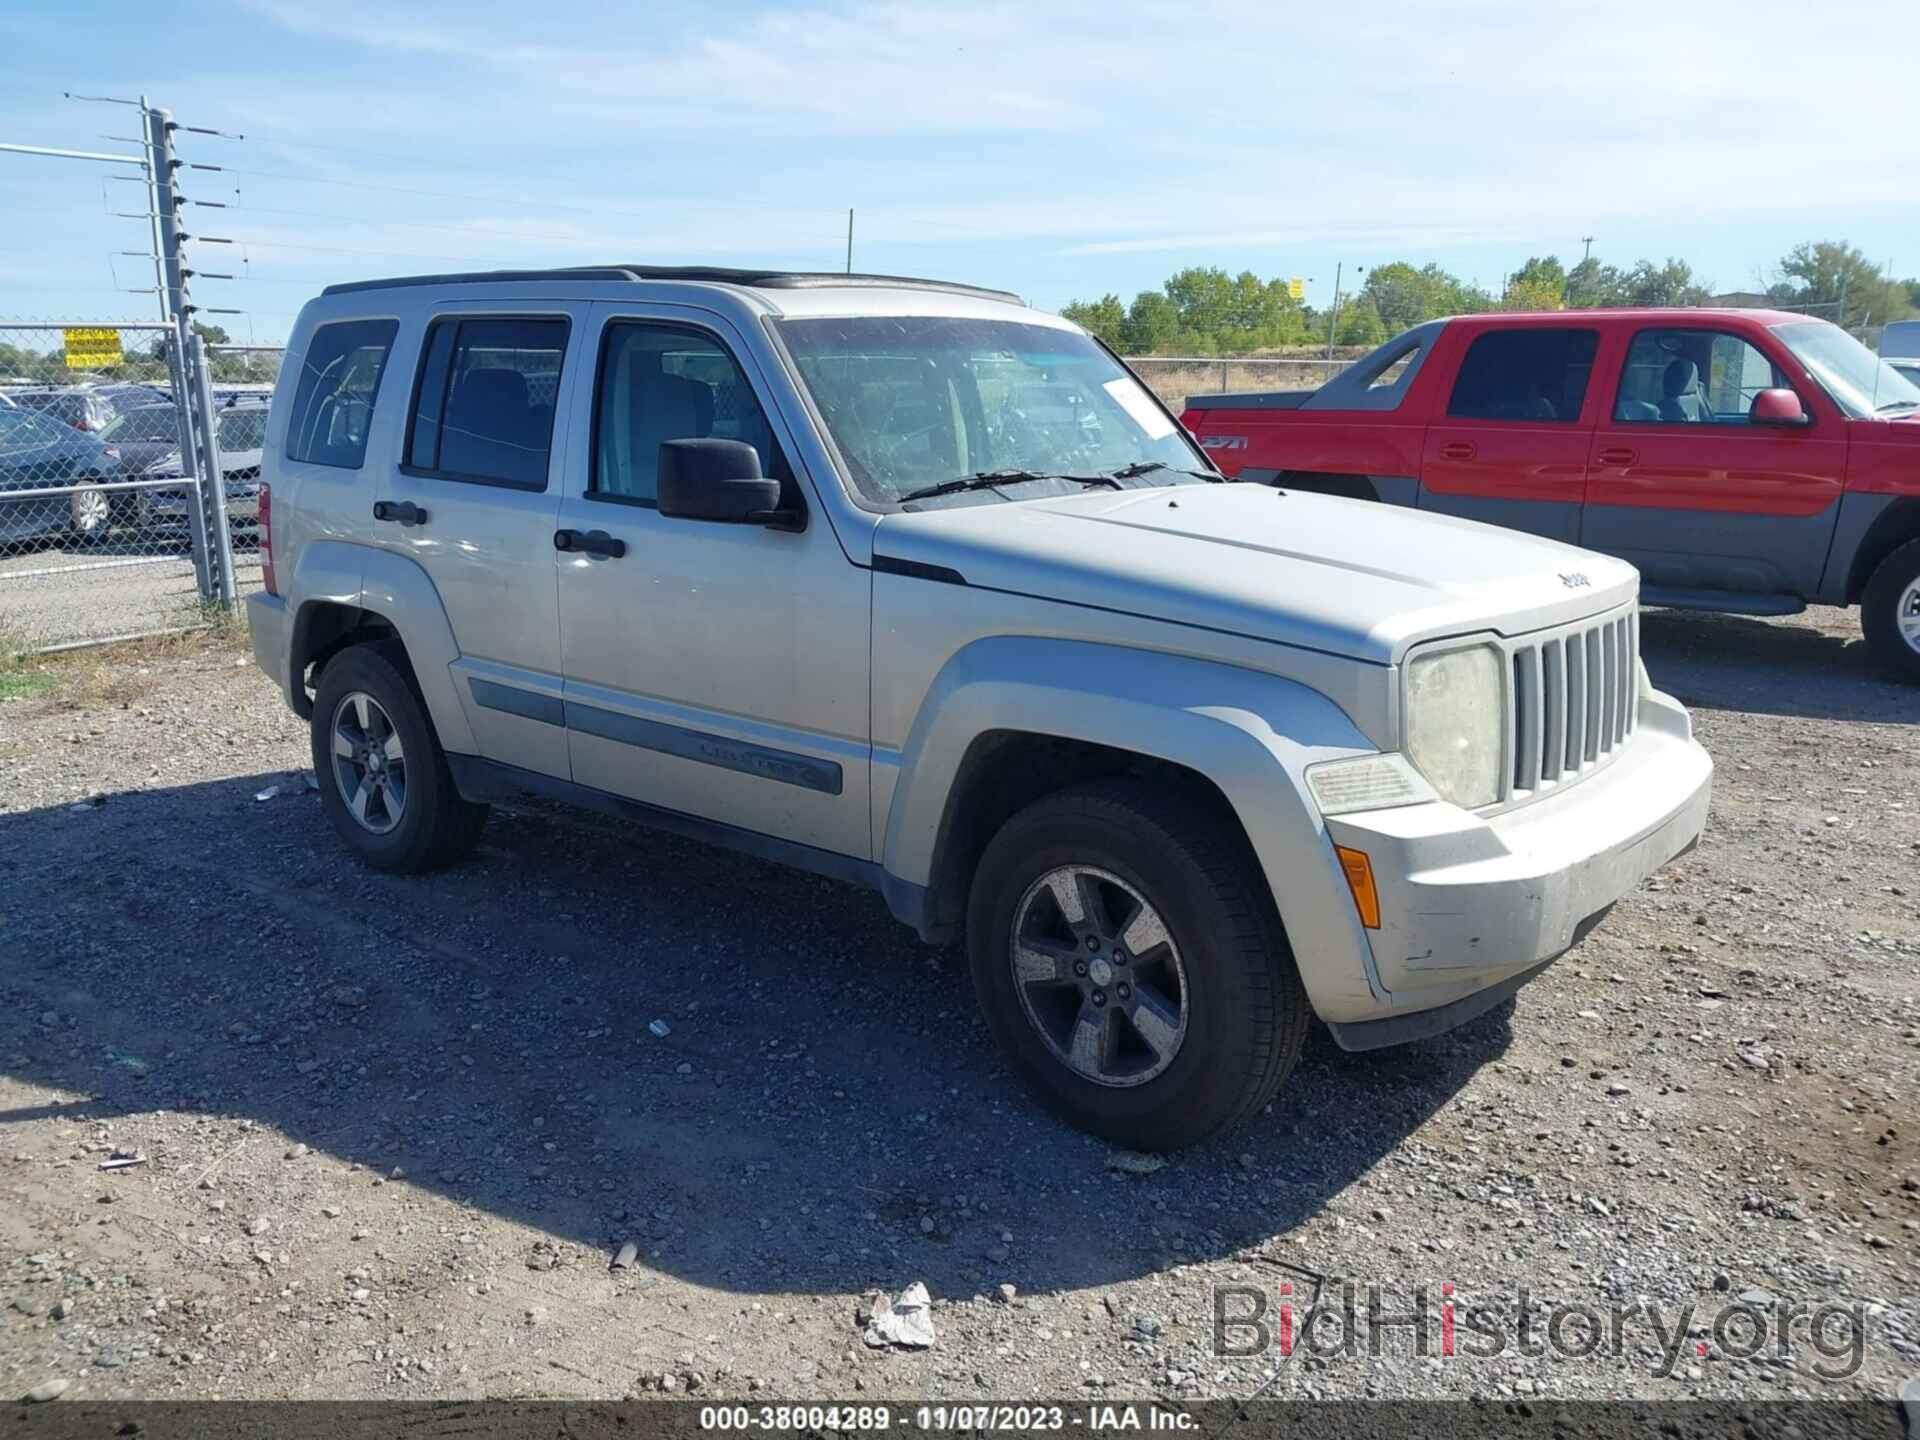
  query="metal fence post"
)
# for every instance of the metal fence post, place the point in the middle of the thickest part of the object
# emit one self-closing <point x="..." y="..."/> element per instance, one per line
<point x="189" y="470"/>
<point x="212" y="490"/>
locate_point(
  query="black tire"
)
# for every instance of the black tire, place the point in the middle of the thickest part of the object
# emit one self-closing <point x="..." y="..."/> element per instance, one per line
<point x="1246" y="1012"/>
<point x="1893" y="582"/>
<point x="435" y="826"/>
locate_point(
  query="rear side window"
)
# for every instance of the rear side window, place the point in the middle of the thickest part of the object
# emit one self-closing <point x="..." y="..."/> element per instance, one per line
<point x="1536" y="375"/>
<point x="484" y="407"/>
<point x="339" y="382"/>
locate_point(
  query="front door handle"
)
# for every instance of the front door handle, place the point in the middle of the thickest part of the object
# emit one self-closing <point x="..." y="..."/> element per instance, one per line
<point x="589" y="542"/>
<point x="404" y="511"/>
<point x="1617" y="455"/>
<point x="1457" y="450"/>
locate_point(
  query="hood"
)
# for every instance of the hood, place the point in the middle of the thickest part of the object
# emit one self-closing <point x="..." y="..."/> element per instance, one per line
<point x="1349" y="577"/>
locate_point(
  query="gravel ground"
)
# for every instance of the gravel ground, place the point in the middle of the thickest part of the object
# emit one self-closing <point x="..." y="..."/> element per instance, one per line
<point x="395" y="1130"/>
<point x="55" y="595"/>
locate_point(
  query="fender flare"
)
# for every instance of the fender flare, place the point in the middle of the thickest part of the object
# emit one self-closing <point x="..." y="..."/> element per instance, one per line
<point x="400" y="591"/>
<point x="1250" y="733"/>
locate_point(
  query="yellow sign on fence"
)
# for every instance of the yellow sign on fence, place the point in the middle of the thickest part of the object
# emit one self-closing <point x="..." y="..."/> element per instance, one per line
<point x="93" y="349"/>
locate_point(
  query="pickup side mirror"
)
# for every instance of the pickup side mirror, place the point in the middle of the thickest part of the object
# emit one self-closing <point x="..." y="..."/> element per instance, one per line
<point x="719" y="480"/>
<point x="1778" y="407"/>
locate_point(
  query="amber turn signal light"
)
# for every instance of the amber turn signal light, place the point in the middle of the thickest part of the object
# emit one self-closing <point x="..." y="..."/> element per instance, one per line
<point x="1359" y="873"/>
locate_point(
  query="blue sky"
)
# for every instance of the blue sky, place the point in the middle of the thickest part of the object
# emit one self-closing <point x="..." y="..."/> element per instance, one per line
<point x="1059" y="149"/>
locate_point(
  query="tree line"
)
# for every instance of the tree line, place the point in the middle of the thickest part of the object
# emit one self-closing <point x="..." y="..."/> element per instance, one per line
<point x="1205" y="311"/>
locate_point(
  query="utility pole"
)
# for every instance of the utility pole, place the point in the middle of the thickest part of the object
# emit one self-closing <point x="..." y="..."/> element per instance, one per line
<point x="849" y="240"/>
<point x="1333" y="315"/>
<point x="1586" y="240"/>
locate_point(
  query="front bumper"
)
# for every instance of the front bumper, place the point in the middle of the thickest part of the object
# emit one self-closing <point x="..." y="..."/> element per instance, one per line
<point x="1471" y="908"/>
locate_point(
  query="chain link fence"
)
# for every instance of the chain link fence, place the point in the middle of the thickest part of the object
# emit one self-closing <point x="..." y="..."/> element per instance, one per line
<point x="1178" y="378"/>
<point x="105" y="533"/>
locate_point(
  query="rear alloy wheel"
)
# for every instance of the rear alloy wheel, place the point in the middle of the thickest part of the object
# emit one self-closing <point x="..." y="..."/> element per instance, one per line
<point x="1131" y="965"/>
<point x="369" y="763"/>
<point x="1890" y="612"/>
<point x="383" y="777"/>
<point x="90" y="511"/>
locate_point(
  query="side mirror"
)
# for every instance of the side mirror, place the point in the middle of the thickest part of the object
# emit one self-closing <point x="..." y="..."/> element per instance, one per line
<point x="1778" y="407"/>
<point x="719" y="480"/>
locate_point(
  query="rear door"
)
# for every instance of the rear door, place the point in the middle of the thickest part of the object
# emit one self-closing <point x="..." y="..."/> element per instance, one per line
<point x="474" y="501"/>
<point x="1510" y="447"/>
<point x="1680" y="484"/>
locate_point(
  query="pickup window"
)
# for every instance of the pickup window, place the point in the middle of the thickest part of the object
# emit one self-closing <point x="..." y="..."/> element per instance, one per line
<point x="1692" y="377"/>
<point x="1530" y="374"/>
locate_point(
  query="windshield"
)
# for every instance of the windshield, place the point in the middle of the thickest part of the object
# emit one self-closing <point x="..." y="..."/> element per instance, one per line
<point x="149" y="422"/>
<point x="1859" y="381"/>
<point x="917" y="401"/>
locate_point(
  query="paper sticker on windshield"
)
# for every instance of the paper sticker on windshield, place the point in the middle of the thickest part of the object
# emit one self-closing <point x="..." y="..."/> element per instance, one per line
<point x="1133" y="399"/>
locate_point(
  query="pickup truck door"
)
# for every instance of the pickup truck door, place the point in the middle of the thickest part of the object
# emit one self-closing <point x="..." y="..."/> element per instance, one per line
<point x="1680" y="484"/>
<point x="713" y="670"/>
<point x="1511" y="446"/>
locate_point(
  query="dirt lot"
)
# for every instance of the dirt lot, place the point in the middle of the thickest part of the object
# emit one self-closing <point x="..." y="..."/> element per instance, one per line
<point x="395" y="1130"/>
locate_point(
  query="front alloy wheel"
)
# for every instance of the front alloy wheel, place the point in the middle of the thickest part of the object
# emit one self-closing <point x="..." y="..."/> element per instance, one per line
<point x="1099" y="977"/>
<point x="1130" y="962"/>
<point x="369" y="763"/>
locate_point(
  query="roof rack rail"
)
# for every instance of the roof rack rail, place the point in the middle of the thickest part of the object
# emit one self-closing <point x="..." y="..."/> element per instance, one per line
<point x="710" y="274"/>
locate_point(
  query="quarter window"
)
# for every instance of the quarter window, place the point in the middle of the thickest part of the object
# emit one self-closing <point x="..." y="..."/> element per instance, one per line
<point x="658" y="383"/>
<point x="339" y="382"/>
<point x="1531" y="374"/>
<point x="485" y="404"/>
<point x="1692" y="377"/>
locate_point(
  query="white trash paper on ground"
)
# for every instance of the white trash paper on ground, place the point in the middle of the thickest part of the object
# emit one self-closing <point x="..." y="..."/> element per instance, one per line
<point x="905" y="1320"/>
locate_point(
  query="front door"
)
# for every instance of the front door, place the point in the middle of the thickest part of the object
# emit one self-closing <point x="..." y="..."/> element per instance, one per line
<point x="1512" y="447"/>
<point x="715" y="670"/>
<point x="1680" y="484"/>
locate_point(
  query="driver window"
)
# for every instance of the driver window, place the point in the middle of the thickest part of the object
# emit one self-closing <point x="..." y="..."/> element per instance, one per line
<point x="659" y="383"/>
<point x="1693" y="377"/>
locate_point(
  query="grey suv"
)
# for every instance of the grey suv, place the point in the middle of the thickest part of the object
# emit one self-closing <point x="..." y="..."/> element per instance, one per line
<point x="911" y="585"/>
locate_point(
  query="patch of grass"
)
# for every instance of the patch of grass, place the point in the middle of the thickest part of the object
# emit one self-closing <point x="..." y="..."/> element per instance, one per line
<point x="120" y="674"/>
<point x="22" y="684"/>
<point x="22" y="675"/>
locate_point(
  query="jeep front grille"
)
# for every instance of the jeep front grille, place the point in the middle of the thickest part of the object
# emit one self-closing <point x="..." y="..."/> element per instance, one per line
<point x="1575" y="694"/>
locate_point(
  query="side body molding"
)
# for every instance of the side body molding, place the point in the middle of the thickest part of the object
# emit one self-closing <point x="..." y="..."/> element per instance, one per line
<point x="1251" y="734"/>
<point x="397" y="588"/>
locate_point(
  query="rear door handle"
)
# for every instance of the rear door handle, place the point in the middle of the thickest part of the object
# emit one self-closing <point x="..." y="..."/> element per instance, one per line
<point x="589" y="542"/>
<point x="1618" y="455"/>
<point x="403" y="511"/>
<point x="1457" y="450"/>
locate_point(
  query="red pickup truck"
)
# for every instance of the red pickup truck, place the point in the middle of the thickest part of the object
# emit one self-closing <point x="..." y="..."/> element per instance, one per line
<point x="1744" y="460"/>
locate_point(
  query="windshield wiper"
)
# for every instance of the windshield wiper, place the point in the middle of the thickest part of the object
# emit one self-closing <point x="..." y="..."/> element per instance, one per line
<point x="1147" y="467"/>
<point x="1898" y="405"/>
<point x="992" y="479"/>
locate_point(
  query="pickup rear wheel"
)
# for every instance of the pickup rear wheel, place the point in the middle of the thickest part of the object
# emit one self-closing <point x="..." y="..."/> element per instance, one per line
<point x="1130" y="964"/>
<point x="1890" y="612"/>
<point x="383" y="776"/>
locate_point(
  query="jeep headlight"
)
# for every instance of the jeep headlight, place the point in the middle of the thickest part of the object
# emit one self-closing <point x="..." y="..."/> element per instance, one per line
<point x="1455" y="723"/>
